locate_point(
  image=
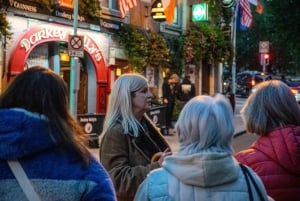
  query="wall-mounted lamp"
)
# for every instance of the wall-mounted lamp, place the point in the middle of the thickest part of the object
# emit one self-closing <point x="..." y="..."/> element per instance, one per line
<point x="164" y="74"/>
<point x="118" y="71"/>
<point x="64" y="56"/>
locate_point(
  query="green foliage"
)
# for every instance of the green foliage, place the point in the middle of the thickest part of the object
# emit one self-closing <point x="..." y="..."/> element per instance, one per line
<point x="207" y="41"/>
<point x="158" y="52"/>
<point x="90" y="8"/>
<point x="278" y="24"/>
<point x="217" y="13"/>
<point x="175" y="45"/>
<point x="134" y="43"/>
<point x="4" y="26"/>
<point x="143" y="48"/>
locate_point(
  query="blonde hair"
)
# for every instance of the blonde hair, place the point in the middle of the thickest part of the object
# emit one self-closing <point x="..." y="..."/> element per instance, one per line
<point x="120" y="103"/>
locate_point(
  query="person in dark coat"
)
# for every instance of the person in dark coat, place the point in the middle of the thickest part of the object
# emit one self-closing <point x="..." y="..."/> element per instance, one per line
<point x="186" y="91"/>
<point x="130" y="144"/>
<point x="168" y="100"/>
<point x="169" y="94"/>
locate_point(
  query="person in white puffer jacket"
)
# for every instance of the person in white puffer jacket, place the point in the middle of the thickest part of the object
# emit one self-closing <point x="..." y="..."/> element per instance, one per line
<point x="204" y="167"/>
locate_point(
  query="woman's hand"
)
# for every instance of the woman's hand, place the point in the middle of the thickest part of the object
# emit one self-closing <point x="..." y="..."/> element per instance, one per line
<point x="164" y="154"/>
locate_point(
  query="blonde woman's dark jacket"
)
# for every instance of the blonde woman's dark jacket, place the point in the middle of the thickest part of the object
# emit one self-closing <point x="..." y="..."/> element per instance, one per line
<point x="128" y="158"/>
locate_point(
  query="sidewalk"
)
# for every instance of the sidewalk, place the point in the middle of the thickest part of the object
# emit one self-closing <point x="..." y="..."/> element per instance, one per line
<point x="172" y="137"/>
<point x="239" y="130"/>
<point x="239" y="125"/>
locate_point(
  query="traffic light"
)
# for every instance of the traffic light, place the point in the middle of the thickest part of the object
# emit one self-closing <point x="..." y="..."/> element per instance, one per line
<point x="266" y="59"/>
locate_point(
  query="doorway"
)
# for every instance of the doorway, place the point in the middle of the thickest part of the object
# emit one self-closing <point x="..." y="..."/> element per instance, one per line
<point x="82" y="97"/>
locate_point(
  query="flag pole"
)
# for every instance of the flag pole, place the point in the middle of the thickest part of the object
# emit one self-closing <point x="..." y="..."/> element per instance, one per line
<point x="233" y="40"/>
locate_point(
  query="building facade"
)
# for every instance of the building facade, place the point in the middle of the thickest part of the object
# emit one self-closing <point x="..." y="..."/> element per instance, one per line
<point x="42" y="38"/>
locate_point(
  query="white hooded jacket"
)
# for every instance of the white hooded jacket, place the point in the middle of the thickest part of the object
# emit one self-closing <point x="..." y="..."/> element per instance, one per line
<point x="201" y="176"/>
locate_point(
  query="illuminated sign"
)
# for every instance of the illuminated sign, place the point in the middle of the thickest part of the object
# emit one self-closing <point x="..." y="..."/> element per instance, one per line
<point x="199" y="12"/>
<point x="66" y="3"/>
<point x="157" y="11"/>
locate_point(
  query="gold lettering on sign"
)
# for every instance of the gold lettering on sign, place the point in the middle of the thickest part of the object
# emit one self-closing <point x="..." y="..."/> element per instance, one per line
<point x="23" y="6"/>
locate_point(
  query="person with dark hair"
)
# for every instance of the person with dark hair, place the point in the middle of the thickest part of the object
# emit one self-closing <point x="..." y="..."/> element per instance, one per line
<point x="272" y="113"/>
<point x="39" y="136"/>
<point x="130" y="144"/>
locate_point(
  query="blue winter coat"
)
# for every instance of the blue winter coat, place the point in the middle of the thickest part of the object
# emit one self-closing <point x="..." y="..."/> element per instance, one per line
<point x="56" y="172"/>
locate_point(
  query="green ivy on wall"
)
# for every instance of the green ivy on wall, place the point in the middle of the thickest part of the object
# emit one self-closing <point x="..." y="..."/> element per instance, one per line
<point x="158" y="52"/>
<point x="175" y="44"/>
<point x="134" y="44"/>
<point x="143" y="48"/>
<point x="206" y="41"/>
<point x="88" y="8"/>
<point x="4" y="26"/>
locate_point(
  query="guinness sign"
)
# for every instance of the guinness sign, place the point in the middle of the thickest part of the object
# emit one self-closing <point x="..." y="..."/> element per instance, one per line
<point x="157" y="11"/>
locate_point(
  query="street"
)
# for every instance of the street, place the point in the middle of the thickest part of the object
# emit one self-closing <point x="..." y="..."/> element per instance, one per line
<point x="244" y="140"/>
<point x="241" y="139"/>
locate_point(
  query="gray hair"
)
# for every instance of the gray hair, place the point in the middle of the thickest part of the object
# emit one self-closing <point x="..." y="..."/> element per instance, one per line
<point x="205" y="124"/>
<point x="271" y="105"/>
<point x="120" y="103"/>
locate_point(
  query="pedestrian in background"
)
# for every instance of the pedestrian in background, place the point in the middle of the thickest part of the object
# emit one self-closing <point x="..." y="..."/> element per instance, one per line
<point x="273" y="114"/>
<point x="186" y="91"/>
<point x="130" y="145"/>
<point x="169" y="93"/>
<point x="38" y="133"/>
<point x="203" y="168"/>
<point x="168" y="97"/>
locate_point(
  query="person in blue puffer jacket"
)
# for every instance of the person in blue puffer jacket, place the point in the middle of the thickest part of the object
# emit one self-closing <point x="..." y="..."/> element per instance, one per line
<point x="38" y="131"/>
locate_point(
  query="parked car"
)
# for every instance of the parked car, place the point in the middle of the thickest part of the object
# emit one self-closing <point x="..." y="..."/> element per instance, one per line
<point x="294" y="84"/>
<point x="246" y="80"/>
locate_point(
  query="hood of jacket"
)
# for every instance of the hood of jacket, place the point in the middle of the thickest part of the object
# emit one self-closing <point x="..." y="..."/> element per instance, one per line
<point x="23" y="133"/>
<point x="282" y="145"/>
<point x="203" y="169"/>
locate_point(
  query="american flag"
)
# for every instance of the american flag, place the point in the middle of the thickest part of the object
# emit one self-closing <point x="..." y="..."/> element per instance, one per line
<point x="246" y="16"/>
<point x="125" y="5"/>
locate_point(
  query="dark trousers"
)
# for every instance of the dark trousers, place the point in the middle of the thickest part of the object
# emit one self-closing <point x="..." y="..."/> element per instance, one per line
<point x="169" y="113"/>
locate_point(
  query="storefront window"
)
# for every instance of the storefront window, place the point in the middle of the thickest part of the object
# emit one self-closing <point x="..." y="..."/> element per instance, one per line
<point x="110" y="4"/>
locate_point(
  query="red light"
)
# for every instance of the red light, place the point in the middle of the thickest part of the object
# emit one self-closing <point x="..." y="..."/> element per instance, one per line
<point x="266" y="56"/>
